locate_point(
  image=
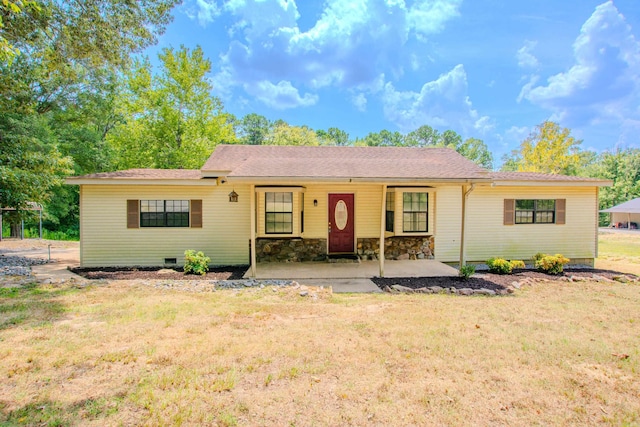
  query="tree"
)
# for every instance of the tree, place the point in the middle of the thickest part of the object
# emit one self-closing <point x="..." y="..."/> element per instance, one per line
<point x="253" y="129"/>
<point x="472" y="148"/>
<point x="424" y="136"/>
<point x="88" y="32"/>
<point x="477" y="151"/>
<point x="333" y="136"/>
<point x="549" y="149"/>
<point x="623" y="168"/>
<point x="171" y="118"/>
<point x="30" y="164"/>
<point x="285" y="134"/>
<point x="384" y="138"/>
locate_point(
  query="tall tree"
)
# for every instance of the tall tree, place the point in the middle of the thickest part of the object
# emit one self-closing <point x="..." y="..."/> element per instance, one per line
<point x="424" y="136"/>
<point x="172" y="120"/>
<point x="384" y="138"/>
<point x="477" y="151"/>
<point x="549" y="149"/>
<point x="623" y="168"/>
<point x="285" y="134"/>
<point x="333" y="136"/>
<point x="253" y="129"/>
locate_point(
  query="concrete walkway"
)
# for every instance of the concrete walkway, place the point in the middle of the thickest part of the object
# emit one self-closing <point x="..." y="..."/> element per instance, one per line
<point x="351" y="277"/>
<point x="352" y="270"/>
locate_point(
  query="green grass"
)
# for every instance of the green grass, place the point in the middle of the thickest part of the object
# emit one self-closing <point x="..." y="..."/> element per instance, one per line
<point x="554" y="353"/>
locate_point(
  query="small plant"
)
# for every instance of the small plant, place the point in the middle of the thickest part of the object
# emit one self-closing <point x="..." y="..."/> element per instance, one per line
<point x="499" y="266"/>
<point x="550" y="264"/>
<point x="502" y="266"/>
<point x="517" y="264"/>
<point x="467" y="271"/>
<point x="195" y="262"/>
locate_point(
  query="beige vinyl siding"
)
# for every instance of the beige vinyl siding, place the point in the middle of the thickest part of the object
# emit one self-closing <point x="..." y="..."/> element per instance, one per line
<point x="448" y="216"/>
<point x="487" y="236"/>
<point x="106" y="240"/>
<point x="367" y="200"/>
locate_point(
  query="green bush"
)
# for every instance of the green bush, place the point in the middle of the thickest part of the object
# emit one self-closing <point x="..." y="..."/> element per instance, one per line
<point x="467" y="271"/>
<point x="195" y="262"/>
<point x="550" y="264"/>
<point x="516" y="264"/>
<point x="502" y="266"/>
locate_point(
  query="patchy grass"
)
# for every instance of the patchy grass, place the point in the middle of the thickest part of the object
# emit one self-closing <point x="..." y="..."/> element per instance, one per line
<point x="555" y="353"/>
<point x="619" y="251"/>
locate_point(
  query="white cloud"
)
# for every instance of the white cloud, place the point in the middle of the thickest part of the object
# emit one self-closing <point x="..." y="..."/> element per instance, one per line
<point x="524" y="56"/>
<point x="604" y="83"/>
<point x="280" y="96"/>
<point x="359" y="101"/>
<point x="429" y="16"/>
<point x="350" y="45"/>
<point x="442" y="103"/>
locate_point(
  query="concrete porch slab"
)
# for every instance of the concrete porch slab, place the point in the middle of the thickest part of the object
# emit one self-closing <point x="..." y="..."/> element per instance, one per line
<point x="361" y="270"/>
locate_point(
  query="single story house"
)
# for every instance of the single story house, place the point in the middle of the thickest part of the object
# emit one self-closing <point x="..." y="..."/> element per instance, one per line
<point x="253" y="204"/>
<point x="625" y="215"/>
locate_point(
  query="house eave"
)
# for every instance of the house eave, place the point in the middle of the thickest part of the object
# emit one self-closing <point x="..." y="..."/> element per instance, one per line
<point x="513" y="183"/>
<point x="352" y="180"/>
<point x="155" y="182"/>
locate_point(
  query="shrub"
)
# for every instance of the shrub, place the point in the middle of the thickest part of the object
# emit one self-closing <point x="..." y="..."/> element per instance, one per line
<point x="502" y="266"/>
<point x="195" y="262"/>
<point x="550" y="264"/>
<point x="467" y="271"/>
<point x="516" y="263"/>
<point x="499" y="266"/>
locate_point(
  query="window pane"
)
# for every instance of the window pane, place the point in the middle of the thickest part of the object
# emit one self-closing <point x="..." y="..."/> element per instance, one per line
<point x="545" y="205"/>
<point x="524" y="204"/>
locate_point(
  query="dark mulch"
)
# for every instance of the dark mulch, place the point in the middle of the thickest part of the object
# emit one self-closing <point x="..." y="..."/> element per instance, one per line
<point x="488" y="280"/>
<point x="150" y="273"/>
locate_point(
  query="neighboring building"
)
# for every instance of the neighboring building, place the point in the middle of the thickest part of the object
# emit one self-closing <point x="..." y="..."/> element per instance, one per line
<point x="625" y="215"/>
<point x="302" y="203"/>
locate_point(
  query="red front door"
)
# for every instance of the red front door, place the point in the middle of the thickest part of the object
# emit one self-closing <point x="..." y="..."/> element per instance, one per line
<point x="341" y="223"/>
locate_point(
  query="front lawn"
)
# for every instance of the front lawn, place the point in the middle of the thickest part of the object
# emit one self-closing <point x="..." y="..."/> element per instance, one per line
<point x="554" y="353"/>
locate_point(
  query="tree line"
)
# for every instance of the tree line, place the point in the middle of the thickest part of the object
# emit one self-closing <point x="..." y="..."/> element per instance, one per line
<point x="77" y="98"/>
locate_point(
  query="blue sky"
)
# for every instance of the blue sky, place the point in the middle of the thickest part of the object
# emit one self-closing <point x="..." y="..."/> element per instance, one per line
<point x="489" y="69"/>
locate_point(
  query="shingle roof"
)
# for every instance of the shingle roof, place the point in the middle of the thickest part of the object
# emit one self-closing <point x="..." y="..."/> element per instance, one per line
<point x="145" y="174"/>
<point x="632" y="206"/>
<point x="541" y="177"/>
<point x="260" y="161"/>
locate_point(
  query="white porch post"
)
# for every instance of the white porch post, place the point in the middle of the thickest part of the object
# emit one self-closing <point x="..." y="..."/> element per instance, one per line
<point x="465" y="194"/>
<point x="252" y="208"/>
<point x="383" y="218"/>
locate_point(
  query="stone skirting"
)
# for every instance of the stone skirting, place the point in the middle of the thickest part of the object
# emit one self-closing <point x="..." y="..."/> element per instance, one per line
<point x="397" y="247"/>
<point x="290" y="250"/>
<point x="300" y="250"/>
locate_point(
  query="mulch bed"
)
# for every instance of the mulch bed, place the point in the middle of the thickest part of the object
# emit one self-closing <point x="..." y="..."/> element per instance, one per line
<point x="157" y="273"/>
<point x="484" y="279"/>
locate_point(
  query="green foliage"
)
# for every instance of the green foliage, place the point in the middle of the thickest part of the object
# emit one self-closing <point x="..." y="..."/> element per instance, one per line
<point x="502" y="266"/>
<point x="550" y="264"/>
<point x="253" y="129"/>
<point x="549" y="149"/>
<point x="623" y="168"/>
<point x="172" y="120"/>
<point x="467" y="271"/>
<point x="285" y="134"/>
<point x="333" y="136"/>
<point x="195" y="262"/>
<point x="472" y="148"/>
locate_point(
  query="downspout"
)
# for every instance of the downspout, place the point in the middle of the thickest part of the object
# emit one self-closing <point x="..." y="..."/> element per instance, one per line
<point x="465" y="195"/>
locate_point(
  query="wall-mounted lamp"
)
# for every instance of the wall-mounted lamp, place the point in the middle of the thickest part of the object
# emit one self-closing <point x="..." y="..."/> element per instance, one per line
<point x="315" y="202"/>
<point x="233" y="197"/>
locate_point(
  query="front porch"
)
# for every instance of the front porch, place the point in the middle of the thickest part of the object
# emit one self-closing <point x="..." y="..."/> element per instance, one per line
<point x="351" y="270"/>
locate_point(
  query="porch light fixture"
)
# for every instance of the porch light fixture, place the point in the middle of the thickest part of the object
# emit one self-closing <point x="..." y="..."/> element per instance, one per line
<point x="315" y="202"/>
<point x="233" y="197"/>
